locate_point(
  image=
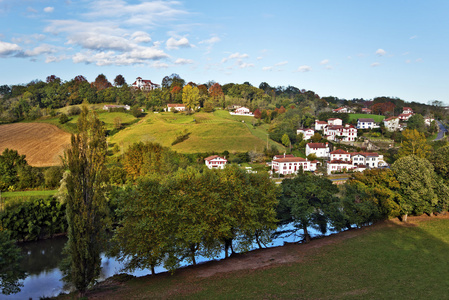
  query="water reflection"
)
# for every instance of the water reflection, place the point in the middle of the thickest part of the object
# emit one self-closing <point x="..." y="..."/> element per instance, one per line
<point x="41" y="260"/>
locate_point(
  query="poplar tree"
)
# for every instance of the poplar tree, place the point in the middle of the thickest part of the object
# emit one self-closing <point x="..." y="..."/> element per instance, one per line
<point x="86" y="203"/>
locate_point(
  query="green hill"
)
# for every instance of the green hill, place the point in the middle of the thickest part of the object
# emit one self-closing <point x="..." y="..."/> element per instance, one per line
<point x="377" y="118"/>
<point x="208" y="132"/>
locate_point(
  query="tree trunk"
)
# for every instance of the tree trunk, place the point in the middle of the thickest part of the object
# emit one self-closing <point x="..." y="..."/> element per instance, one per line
<point x="192" y="251"/>
<point x="152" y="270"/>
<point x="306" y="235"/>
<point x="404" y="218"/>
<point x="258" y="241"/>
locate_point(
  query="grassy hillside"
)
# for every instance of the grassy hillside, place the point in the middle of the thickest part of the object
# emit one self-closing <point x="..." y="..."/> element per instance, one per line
<point x="377" y="118"/>
<point x="208" y="132"/>
<point x="386" y="261"/>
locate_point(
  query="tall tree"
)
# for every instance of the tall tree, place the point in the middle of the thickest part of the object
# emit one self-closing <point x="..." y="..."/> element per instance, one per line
<point x="119" y="80"/>
<point x="414" y="143"/>
<point x="86" y="204"/>
<point x="190" y="97"/>
<point x="101" y="82"/>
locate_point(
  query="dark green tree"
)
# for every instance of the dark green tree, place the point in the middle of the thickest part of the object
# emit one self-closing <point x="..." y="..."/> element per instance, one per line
<point x="10" y="272"/>
<point x="86" y="204"/>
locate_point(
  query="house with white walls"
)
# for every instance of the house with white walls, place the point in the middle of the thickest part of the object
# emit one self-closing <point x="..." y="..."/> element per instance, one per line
<point x="144" y="84"/>
<point x="392" y="124"/>
<point x="307" y="133"/>
<point x="292" y="165"/>
<point x="319" y="149"/>
<point x="215" y="162"/>
<point x="319" y="125"/>
<point x="175" y="106"/>
<point x="366" y="123"/>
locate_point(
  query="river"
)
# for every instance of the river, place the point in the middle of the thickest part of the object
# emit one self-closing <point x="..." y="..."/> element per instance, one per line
<point x="41" y="260"/>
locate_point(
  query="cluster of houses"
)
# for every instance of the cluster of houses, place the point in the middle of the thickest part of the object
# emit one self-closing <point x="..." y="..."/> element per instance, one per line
<point x="333" y="130"/>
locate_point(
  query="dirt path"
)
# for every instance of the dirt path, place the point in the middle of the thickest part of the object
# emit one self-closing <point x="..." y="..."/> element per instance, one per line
<point x="42" y="143"/>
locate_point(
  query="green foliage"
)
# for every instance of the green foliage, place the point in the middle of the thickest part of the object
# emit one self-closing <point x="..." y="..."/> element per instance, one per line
<point x="181" y="137"/>
<point x="10" y="271"/>
<point x="308" y="200"/>
<point x="10" y="162"/>
<point x="414" y="143"/>
<point x="86" y="203"/>
<point x="191" y="212"/>
<point x="63" y="118"/>
<point x="420" y="188"/>
<point x="34" y="219"/>
<point x="416" y="122"/>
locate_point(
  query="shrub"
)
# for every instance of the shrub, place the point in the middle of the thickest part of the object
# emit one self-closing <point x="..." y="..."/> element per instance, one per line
<point x="73" y="111"/>
<point x="63" y="118"/>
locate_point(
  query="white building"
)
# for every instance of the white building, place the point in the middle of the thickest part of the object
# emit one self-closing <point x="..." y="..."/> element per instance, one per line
<point x="407" y="110"/>
<point x="428" y="120"/>
<point x="334" y="121"/>
<point x="109" y="107"/>
<point x="144" y="84"/>
<point x="307" y="133"/>
<point x="215" y="162"/>
<point x="242" y="111"/>
<point x="319" y="149"/>
<point x="368" y="159"/>
<point x="366" y="123"/>
<point x="178" y="107"/>
<point x="341" y="160"/>
<point x="319" y="125"/>
<point x="405" y="117"/>
<point x="340" y="154"/>
<point x="292" y="165"/>
<point x="347" y="133"/>
<point x="392" y="124"/>
<point x="338" y="166"/>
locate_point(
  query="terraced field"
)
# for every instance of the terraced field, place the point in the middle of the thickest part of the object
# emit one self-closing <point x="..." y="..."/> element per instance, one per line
<point x="42" y="143"/>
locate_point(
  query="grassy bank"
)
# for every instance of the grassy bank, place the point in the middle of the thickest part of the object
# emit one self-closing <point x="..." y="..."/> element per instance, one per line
<point x="377" y="118"/>
<point x="389" y="260"/>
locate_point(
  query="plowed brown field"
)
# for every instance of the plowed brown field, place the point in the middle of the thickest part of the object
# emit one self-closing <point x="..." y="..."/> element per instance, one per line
<point x="43" y="144"/>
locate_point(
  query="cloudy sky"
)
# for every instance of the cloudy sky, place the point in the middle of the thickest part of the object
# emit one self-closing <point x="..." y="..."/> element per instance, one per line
<point x="345" y="48"/>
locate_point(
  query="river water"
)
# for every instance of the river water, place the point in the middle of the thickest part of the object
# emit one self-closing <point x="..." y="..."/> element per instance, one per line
<point x="41" y="260"/>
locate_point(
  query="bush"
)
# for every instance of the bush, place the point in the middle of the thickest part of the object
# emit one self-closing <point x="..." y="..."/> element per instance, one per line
<point x="63" y="118"/>
<point x="73" y="111"/>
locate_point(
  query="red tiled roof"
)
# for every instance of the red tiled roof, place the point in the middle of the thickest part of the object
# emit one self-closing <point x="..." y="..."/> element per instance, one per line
<point x="175" y="105"/>
<point x="337" y="161"/>
<point x="317" y="145"/>
<point x="339" y="151"/>
<point x="390" y="118"/>
<point x="283" y="156"/>
<point x="290" y="159"/>
<point x="320" y="122"/>
<point x="366" y="120"/>
<point x="213" y="157"/>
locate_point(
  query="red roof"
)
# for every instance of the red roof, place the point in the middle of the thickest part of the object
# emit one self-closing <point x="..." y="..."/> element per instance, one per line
<point x="283" y="156"/>
<point x="214" y="157"/>
<point x="390" y="118"/>
<point x="290" y="159"/>
<point x="337" y="161"/>
<point x="317" y="145"/>
<point x="366" y="120"/>
<point x="332" y="119"/>
<point x="365" y="153"/>
<point x="320" y="122"/>
<point x="175" y="105"/>
<point x="339" y="151"/>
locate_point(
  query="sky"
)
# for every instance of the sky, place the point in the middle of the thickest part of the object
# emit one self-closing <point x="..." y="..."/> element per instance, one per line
<point x="346" y="48"/>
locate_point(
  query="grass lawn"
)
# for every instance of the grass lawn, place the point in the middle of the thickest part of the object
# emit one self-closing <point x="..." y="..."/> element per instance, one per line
<point x="377" y="118"/>
<point x="209" y="132"/>
<point x="28" y="194"/>
<point x="388" y="261"/>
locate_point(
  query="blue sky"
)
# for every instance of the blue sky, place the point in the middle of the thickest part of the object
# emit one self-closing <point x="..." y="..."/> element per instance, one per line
<point x="345" y="48"/>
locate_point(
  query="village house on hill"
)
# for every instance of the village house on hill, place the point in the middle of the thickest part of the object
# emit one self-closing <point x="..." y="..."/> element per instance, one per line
<point x="307" y="133"/>
<point x="319" y="149"/>
<point x="289" y="164"/>
<point x="366" y="110"/>
<point x="392" y="124"/>
<point x="366" y="123"/>
<point x="175" y="106"/>
<point x="111" y="106"/>
<point x="341" y="160"/>
<point x="242" y="111"/>
<point x="144" y="85"/>
<point x="215" y="162"/>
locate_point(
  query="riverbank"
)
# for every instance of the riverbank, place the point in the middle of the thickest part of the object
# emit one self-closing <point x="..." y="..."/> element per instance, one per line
<point x="388" y="259"/>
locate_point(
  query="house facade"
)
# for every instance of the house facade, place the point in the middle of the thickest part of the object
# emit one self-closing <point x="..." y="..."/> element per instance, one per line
<point x="215" y="162"/>
<point x="405" y="117"/>
<point x="428" y="120"/>
<point x="407" y="110"/>
<point x="341" y="160"/>
<point x="334" y="121"/>
<point x="292" y="165"/>
<point x="340" y="154"/>
<point x="174" y="106"/>
<point x="145" y="85"/>
<point x="307" y="133"/>
<point x="319" y="125"/>
<point x="319" y="149"/>
<point x="366" y="110"/>
<point x="341" y="110"/>
<point x="392" y="124"/>
<point x="366" y="123"/>
<point x="347" y="133"/>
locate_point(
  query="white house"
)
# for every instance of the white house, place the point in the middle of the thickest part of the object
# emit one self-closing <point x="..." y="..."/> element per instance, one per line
<point x="307" y="133"/>
<point x="405" y="117"/>
<point x="242" y="111"/>
<point x="215" y="162"/>
<point x="291" y="165"/>
<point x="392" y="124"/>
<point x="347" y="133"/>
<point x="342" y="110"/>
<point x="407" y="110"/>
<point x="428" y="120"/>
<point x="144" y="84"/>
<point x="109" y="106"/>
<point x="366" y="110"/>
<point x="334" y="121"/>
<point x="319" y="125"/>
<point x="366" y="123"/>
<point x="368" y="159"/>
<point x="319" y="149"/>
<point x="340" y="154"/>
<point x="338" y="166"/>
<point x="174" y="106"/>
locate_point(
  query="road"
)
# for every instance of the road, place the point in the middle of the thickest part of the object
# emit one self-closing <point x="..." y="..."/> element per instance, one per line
<point x="441" y="132"/>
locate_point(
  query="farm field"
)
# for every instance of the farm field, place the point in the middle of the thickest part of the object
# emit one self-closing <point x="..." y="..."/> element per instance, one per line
<point x="387" y="260"/>
<point x="208" y="132"/>
<point x="42" y="143"/>
<point x="377" y="118"/>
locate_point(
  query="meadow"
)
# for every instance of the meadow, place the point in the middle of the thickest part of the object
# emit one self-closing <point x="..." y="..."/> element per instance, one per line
<point x="209" y="132"/>
<point x="388" y="260"/>
<point x="376" y="118"/>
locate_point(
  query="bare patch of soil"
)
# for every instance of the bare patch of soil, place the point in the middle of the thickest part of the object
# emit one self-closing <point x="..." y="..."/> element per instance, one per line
<point x="42" y="143"/>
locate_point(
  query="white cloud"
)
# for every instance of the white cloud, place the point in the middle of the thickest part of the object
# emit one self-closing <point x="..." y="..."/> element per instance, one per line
<point x="52" y="58"/>
<point x="7" y="49"/>
<point x="42" y="49"/>
<point x="267" y="68"/>
<point x="282" y="63"/>
<point x="49" y="9"/>
<point x="159" y="65"/>
<point x="243" y="65"/>
<point x="419" y="60"/>
<point x="304" y="68"/>
<point x="183" y="61"/>
<point x="381" y="52"/>
<point x="375" y="64"/>
<point x="141" y="37"/>
<point x="183" y="42"/>
<point x="408" y="61"/>
<point x="236" y="55"/>
<point x="259" y="58"/>
<point x="31" y="10"/>
<point x="413" y="37"/>
<point x="210" y="41"/>
<point x="324" y="62"/>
